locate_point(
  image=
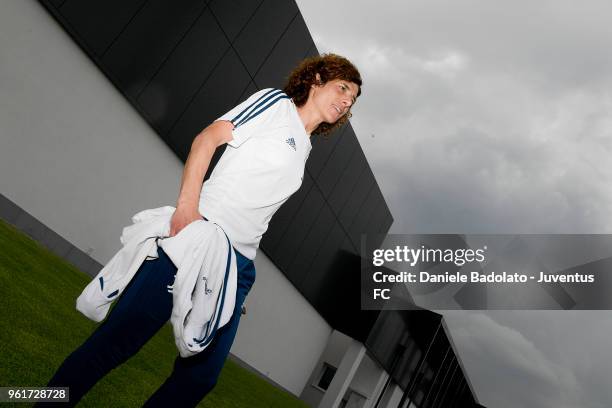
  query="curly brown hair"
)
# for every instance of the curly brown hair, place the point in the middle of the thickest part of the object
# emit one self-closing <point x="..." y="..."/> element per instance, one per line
<point x="329" y="67"/>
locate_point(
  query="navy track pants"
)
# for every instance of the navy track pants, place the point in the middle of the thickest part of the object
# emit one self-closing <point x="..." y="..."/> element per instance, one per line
<point x="143" y="308"/>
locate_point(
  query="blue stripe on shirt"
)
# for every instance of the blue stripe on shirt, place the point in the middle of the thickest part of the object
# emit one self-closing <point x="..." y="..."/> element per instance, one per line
<point x="256" y="113"/>
<point x="271" y="91"/>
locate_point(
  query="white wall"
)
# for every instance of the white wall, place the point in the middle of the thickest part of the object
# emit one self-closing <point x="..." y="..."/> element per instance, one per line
<point x="74" y="153"/>
<point x="283" y="326"/>
<point x="395" y="396"/>
<point x="366" y="378"/>
<point x="77" y="156"/>
<point x="336" y="346"/>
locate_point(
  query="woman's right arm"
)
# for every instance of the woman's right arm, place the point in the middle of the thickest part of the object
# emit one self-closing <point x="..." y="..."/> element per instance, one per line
<point x="200" y="155"/>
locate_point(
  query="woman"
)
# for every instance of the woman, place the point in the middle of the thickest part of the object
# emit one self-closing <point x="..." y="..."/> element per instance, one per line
<point x="268" y="138"/>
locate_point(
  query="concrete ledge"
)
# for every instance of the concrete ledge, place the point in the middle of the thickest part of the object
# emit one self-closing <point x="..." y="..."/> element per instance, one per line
<point x="29" y="225"/>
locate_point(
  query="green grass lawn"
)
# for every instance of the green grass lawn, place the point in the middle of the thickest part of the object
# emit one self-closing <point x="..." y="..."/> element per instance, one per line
<point x="40" y="327"/>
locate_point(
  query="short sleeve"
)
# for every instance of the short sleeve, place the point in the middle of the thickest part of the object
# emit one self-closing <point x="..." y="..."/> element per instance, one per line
<point x="245" y="116"/>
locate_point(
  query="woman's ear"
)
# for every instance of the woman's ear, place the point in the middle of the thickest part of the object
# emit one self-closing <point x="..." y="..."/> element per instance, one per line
<point x="316" y="84"/>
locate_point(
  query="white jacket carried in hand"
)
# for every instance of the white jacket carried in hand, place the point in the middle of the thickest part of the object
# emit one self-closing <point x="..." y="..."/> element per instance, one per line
<point x="204" y="289"/>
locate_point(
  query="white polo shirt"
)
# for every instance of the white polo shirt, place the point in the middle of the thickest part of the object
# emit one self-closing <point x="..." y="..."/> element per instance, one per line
<point x="260" y="169"/>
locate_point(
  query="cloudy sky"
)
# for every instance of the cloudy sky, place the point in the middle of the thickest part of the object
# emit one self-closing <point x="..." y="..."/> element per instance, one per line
<point x="491" y="117"/>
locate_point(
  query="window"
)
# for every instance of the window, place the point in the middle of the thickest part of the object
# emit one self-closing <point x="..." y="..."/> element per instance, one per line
<point x="352" y="399"/>
<point x="327" y="375"/>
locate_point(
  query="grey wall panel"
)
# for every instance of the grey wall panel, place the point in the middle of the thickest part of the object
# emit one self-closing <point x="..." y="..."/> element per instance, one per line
<point x="347" y="182"/>
<point x="287" y="53"/>
<point x="60" y="246"/>
<point x="284" y="217"/>
<point x="99" y="22"/>
<point x="79" y="259"/>
<point x="143" y="46"/>
<point x="309" y="280"/>
<point x="311" y="245"/>
<point x="377" y="219"/>
<point x="337" y="162"/>
<point x="57" y="3"/>
<point x="250" y="90"/>
<point x="312" y="51"/>
<point x="185" y="70"/>
<point x="49" y="237"/>
<point x="387" y="222"/>
<point x="378" y="213"/>
<point x="322" y="147"/>
<point x="263" y="31"/>
<point x="30" y="225"/>
<point x="219" y="94"/>
<point x="349" y="247"/>
<point x="233" y="15"/>
<point x="365" y="213"/>
<point x="9" y="211"/>
<point x="300" y="225"/>
<point x="355" y="201"/>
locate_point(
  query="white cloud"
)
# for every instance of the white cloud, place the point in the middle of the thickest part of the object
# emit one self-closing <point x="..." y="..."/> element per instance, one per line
<point x="522" y="375"/>
<point x="535" y="359"/>
<point x="447" y="64"/>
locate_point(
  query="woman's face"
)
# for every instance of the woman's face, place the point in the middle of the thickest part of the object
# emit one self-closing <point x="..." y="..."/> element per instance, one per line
<point x="334" y="98"/>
